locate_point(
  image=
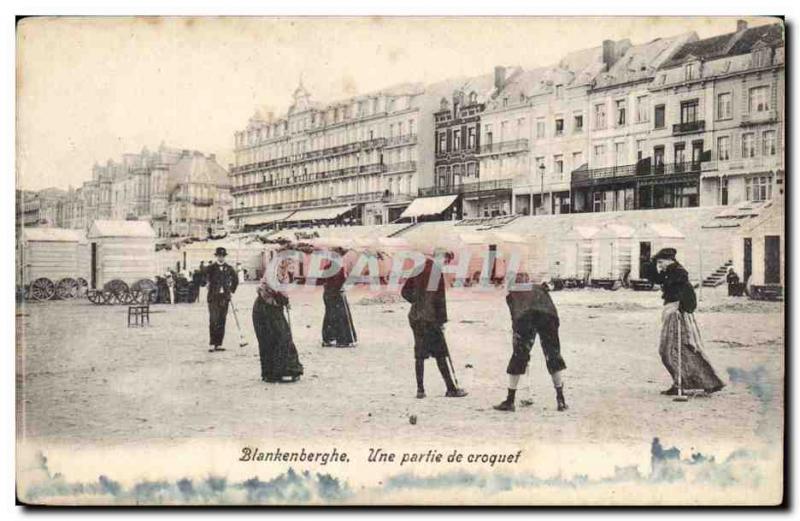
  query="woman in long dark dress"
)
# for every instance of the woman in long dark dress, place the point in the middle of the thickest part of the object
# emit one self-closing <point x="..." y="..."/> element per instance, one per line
<point x="678" y="322"/>
<point x="337" y="326"/>
<point x="279" y="359"/>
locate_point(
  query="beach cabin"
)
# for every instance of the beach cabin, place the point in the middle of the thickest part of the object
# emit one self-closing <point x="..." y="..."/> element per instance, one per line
<point x="577" y="253"/>
<point x="758" y="253"/>
<point x="123" y="250"/>
<point x="54" y="254"/>
<point x="651" y="238"/>
<point x="530" y="251"/>
<point x="613" y="245"/>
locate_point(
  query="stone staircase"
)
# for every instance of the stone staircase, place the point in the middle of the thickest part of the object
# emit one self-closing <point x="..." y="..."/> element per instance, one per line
<point x="718" y="276"/>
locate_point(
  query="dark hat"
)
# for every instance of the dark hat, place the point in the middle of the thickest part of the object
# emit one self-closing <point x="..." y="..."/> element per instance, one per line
<point x="221" y="251"/>
<point x="666" y="253"/>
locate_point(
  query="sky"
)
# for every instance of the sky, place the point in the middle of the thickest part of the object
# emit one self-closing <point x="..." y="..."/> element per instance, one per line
<point x="90" y="89"/>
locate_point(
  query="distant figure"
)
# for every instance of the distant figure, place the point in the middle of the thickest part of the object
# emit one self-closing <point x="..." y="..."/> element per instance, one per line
<point x="677" y="321"/>
<point x="732" y="278"/>
<point x="427" y="317"/>
<point x="171" y="286"/>
<point x="276" y="349"/>
<point x="337" y="326"/>
<point x="222" y="283"/>
<point x="197" y="280"/>
<point x="239" y="271"/>
<point x="533" y="312"/>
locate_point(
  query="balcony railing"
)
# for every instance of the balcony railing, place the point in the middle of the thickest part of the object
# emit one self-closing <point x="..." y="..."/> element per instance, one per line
<point x="405" y="139"/>
<point x="307" y="203"/>
<point x="467" y="188"/>
<point x="504" y="147"/>
<point x="372" y="168"/>
<point x="757" y="118"/>
<point x="406" y="166"/>
<point x="348" y="148"/>
<point x="688" y="127"/>
<point x="639" y="170"/>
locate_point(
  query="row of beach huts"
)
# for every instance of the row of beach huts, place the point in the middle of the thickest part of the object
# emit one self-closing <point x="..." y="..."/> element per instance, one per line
<point x="58" y="263"/>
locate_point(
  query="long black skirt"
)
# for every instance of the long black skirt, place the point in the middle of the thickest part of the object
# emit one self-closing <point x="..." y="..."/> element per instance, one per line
<point x="337" y="326"/>
<point x="276" y="348"/>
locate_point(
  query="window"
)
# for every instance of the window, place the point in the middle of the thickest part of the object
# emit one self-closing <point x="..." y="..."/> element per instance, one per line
<point x="759" y="99"/>
<point x="642" y="109"/>
<point x="489" y="135"/>
<point x="640" y="149"/>
<point x="748" y="145"/>
<point x="577" y="123"/>
<point x="691" y="71"/>
<point x="559" y="91"/>
<point x="599" y="155"/>
<point x="540" y="128"/>
<point x="620" y="154"/>
<point x="689" y="111"/>
<point x="761" y="57"/>
<point x="505" y="101"/>
<point x="457" y="139"/>
<point x="411" y="127"/>
<point x="577" y="159"/>
<point x="659" y="116"/>
<point x="559" y="126"/>
<point x="442" y="143"/>
<point x="520" y="126"/>
<point x="724" y="106"/>
<point x="558" y="165"/>
<point x="621" y="108"/>
<point x="471" y="137"/>
<point x="723" y="148"/>
<point x="472" y="169"/>
<point x="769" y="143"/>
<point x="758" y="188"/>
<point x="658" y="157"/>
<point x="600" y="116"/>
<point x="539" y="164"/>
<point x="680" y="154"/>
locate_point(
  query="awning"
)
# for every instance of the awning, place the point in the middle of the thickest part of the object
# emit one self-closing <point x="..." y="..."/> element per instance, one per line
<point x="254" y="220"/>
<point x="428" y="206"/>
<point x="320" y="214"/>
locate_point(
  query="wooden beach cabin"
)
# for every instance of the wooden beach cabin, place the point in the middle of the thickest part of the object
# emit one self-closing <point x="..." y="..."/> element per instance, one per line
<point x="123" y="250"/>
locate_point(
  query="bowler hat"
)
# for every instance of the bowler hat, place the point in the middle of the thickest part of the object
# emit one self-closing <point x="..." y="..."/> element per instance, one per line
<point x="666" y="253"/>
<point x="220" y="251"/>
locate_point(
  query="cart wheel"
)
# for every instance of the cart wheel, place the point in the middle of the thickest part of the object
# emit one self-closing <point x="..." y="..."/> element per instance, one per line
<point x="67" y="288"/>
<point x="42" y="289"/>
<point x="125" y="297"/>
<point x="94" y="296"/>
<point x="107" y="297"/>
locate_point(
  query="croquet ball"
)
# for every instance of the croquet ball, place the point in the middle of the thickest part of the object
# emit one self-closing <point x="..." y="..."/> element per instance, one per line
<point x="412" y="419"/>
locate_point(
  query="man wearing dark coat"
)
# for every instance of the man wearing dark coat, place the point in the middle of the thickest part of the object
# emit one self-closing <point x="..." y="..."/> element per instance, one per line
<point x="337" y="326"/>
<point x="222" y="283"/>
<point x="679" y="328"/>
<point x="533" y="312"/>
<point x="427" y="317"/>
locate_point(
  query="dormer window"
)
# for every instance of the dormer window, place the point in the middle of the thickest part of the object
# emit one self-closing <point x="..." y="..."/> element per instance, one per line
<point x="691" y="71"/>
<point x="761" y="57"/>
<point x="473" y="98"/>
<point x="559" y="91"/>
<point x="444" y="105"/>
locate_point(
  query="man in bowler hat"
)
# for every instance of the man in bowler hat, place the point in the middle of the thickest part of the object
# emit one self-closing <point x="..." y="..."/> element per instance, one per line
<point x="222" y="283"/>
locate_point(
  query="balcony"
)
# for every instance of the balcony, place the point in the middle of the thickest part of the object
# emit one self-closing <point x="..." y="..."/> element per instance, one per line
<point x="688" y="127"/>
<point x="504" y="147"/>
<point x="307" y="203"/>
<point x="405" y="139"/>
<point x="371" y="168"/>
<point x="468" y="188"/>
<point x="203" y="201"/>
<point x="640" y="172"/>
<point x="759" y="118"/>
<point x="406" y="166"/>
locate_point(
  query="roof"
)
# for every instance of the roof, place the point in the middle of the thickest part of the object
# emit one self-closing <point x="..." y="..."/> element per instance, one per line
<point x="195" y="167"/>
<point x="138" y="229"/>
<point x="580" y="232"/>
<point x="614" y="231"/>
<point x="641" y="61"/>
<point x="51" y="235"/>
<point x="730" y="44"/>
<point x="422" y="206"/>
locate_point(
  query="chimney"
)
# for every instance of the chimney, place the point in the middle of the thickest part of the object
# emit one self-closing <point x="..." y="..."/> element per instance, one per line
<point x="212" y="157"/>
<point x="741" y="25"/>
<point x="499" y="77"/>
<point x="185" y="153"/>
<point x="609" y="51"/>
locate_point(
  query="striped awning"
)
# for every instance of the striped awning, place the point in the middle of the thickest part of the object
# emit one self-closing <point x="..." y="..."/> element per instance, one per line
<point x="320" y="214"/>
<point x="422" y="206"/>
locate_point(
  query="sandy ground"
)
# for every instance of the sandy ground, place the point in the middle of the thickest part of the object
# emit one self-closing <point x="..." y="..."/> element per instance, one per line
<point x="84" y="377"/>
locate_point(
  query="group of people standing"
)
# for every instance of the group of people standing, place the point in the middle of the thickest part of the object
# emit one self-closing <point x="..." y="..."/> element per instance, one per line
<point x="532" y="313"/>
